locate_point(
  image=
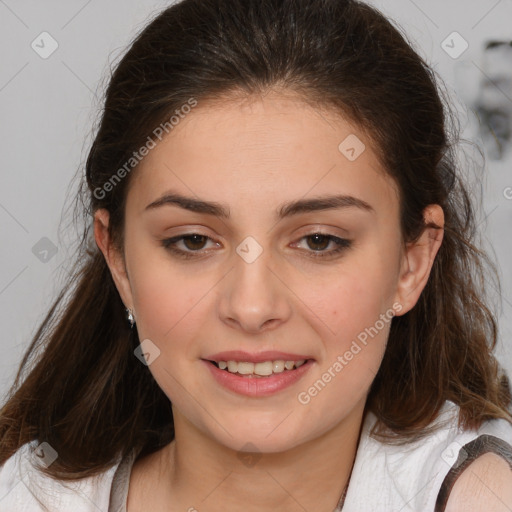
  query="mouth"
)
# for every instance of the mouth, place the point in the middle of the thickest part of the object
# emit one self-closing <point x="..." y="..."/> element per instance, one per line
<point x="259" y="369"/>
<point x="258" y="375"/>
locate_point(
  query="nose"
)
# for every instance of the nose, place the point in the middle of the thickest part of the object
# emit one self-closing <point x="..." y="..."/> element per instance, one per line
<point x="254" y="297"/>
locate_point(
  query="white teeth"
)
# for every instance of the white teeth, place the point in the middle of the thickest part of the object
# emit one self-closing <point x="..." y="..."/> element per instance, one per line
<point x="245" y="368"/>
<point x="262" y="369"/>
<point x="278" y="366"/>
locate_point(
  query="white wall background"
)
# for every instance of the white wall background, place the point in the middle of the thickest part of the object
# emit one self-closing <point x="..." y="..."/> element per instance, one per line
<point x="48" y="107"/>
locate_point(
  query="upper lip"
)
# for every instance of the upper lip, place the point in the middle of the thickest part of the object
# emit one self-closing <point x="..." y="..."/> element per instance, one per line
<point x="259" y="357"/>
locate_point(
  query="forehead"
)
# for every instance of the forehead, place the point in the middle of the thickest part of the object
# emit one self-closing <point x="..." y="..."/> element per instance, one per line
<point x="264" y="150"/>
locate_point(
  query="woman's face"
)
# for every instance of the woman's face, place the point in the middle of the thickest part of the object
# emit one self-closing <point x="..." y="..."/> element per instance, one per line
<point x="297" y="258"/>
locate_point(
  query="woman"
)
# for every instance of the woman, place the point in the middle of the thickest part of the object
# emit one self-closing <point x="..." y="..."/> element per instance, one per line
<point x="280" y="307"/>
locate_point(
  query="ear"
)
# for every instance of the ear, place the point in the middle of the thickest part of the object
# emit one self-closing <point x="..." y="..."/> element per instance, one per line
<point x="418" y="258"/>
<point x="114" y="259"/>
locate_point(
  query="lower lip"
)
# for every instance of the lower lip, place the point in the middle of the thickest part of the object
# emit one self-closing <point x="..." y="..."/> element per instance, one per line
<point x="258" y="386"/>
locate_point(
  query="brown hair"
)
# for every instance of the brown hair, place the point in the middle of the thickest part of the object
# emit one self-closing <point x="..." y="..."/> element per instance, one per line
<point x="86" y="393"/>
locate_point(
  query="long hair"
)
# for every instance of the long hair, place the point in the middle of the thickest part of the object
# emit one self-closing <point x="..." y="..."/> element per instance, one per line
<point x="85" y="392"/>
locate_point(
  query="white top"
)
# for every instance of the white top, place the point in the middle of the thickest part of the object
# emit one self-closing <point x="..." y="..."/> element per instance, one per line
<point x="384" y="478"/>
<point x="408" y="478"/>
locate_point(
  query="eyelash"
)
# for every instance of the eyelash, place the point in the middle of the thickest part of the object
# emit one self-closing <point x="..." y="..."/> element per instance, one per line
<point x="342" y="245"/>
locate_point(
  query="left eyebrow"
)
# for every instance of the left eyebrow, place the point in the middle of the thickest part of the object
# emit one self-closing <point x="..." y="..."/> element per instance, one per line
<point x="288" y="209"/>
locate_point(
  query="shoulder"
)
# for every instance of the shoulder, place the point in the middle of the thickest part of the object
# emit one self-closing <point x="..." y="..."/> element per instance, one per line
<point x="421" y="475"/>
<point x="486" y="484"/>
<point x="481" y="478"/>
<point x="25" y="488"/>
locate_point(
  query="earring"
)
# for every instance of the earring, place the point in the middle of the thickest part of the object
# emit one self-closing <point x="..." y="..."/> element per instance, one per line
<point x="130" y="317"/>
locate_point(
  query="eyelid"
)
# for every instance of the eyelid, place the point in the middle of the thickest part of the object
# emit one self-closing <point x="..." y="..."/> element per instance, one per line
<point x="170" y="243"/>
<point x="341" y="243"/>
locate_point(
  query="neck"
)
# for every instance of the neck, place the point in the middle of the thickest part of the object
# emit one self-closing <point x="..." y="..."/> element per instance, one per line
<point x="210" y="477"/>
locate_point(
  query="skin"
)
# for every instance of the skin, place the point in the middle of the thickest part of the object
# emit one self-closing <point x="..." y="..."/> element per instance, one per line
<point x="485" y="485"/>
<point x="253" y="156"/>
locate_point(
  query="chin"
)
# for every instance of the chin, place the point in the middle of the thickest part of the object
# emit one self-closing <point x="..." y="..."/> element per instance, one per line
<point x="259" y="438"/>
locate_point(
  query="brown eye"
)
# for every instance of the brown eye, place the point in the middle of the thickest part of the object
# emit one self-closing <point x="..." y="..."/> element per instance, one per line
<point x="317" y="243"/>
<point x="194" y="242"/>
<point x="320" y="242"/>
<point x="192" y="245"/>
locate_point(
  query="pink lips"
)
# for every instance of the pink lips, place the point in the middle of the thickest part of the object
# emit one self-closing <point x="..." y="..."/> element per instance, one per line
<point x="255" y="386"/>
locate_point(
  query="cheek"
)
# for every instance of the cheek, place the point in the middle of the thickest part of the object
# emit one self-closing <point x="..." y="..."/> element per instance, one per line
<point x="355" y="308"/>
<point x="352" y="299"/>
<point x="167" y="297"/>
<point x="352" y="357"/>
